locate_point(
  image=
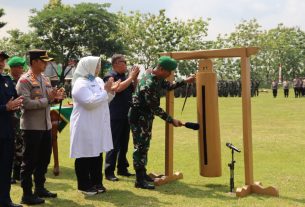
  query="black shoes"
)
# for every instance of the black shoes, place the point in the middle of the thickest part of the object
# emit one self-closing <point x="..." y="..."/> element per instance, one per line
<point x="144" y="185"/>
<point x="89" y="192"/>
<point x="44" y="193"/>
<point x="112" y="178"/>
<point x="100" y="188"/>
<point x="31" y="200"/>
<point x="125" y="173"/>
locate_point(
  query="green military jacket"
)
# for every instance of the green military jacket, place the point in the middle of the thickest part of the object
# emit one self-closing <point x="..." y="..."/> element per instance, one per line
<point x="147" y="95"/>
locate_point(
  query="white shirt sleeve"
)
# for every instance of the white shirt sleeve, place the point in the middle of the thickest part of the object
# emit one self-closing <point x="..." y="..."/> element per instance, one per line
<point x="89" y="99"/>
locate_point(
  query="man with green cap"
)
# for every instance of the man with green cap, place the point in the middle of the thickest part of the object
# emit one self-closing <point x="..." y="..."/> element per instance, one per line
<point x="145" y="105"/>
<point x="16" y="70"/>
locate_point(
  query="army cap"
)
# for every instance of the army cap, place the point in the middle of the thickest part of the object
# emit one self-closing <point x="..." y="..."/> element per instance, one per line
<point x="39" y="54"/>
<point x="167" y="63"/>
<point x="16" y="61"/>
<point x="4" y="55"/>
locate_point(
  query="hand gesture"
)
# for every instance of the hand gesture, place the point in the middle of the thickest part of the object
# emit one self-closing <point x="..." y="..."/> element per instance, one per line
<point x="14" y="104"/>
<point x="191" y="79"/>
<point x="135" y="70"/>
<point x="108" y="84"/>
<point x="60" y="94"/>
<point x="177" y="123"/>
<point x="115" y="85"/>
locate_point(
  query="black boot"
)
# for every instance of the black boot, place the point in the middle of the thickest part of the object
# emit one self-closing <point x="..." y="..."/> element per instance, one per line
<point x="147" y="177"/>
<point x="141" y="182"/>
<point x="30" y="199"/>
<point x="44" y="193"/>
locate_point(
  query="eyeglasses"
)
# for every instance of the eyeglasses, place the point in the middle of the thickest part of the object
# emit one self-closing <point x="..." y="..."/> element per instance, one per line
<point x="122" y="61"/>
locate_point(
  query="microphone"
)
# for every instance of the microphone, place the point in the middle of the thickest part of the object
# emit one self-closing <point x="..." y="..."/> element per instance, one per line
<point x="190" y="125"/>
<point x="231" y="146"/>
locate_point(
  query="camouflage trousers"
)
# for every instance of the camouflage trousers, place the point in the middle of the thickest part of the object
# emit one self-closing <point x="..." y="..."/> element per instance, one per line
<point x="18" y="145"/>
<point x="141" y="126"/>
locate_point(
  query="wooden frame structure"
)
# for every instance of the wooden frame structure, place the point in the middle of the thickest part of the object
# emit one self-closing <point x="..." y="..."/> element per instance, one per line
<point x="244" y="54"/>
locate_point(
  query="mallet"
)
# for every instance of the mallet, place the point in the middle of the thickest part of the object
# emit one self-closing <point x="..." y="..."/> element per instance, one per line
<point x="190" y="125"/>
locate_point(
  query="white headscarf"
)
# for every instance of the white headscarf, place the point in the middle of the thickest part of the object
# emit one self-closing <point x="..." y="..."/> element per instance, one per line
<point x="86" y="66"/>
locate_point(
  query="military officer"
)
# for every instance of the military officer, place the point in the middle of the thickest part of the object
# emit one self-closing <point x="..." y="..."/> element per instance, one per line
<point x="16" y="69"/>
<point x="7" y="105"/>
<point x="145" y="105"/>
<point x="35" y="123"/>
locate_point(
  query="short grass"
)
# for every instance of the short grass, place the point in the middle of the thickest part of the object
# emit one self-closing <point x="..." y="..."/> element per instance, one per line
<point x="278" y="152"/>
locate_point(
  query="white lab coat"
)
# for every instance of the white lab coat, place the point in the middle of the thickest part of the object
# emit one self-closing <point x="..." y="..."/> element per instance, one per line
<point x="90" y="119"/>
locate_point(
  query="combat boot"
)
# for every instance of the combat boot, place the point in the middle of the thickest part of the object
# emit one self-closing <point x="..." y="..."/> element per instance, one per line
<point x="141" y="182"/>
<point x="147" y="177"/>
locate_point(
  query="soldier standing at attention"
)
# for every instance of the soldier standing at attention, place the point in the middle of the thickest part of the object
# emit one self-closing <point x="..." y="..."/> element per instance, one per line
<point x="16" y="64"/>
<point x="7" y="106"/>
<point x="35" y="123"/>
<point x="145" y="105"/>
<point x="274" y="86"/>
<point x="286" y="88"/>
<point x="119" y="108"/>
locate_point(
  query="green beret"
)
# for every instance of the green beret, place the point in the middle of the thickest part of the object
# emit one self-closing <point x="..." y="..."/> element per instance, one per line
<point x="167" y="63"/>
<point x="16" y="61"/>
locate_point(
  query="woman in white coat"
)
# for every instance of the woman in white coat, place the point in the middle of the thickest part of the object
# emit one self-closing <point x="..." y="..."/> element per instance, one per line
<point x="90" y="124"/>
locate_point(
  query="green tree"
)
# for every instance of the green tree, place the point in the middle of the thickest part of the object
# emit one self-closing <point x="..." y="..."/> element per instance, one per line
<point x="75" y="31"/>
<point x="146" y="35"/>
<point x="18" y="43"/>
<point x="2" y="24"/>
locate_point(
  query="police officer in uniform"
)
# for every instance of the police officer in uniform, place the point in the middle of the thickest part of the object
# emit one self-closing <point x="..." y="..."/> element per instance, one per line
<point x="119" y="108"/>
<point x="8" y="103"/>
<point x="145" y="105"/>
<point x="35" y="123"/>
<point x="16" y="64"/>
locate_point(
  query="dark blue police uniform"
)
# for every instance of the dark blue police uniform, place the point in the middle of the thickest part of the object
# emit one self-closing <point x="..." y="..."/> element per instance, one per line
<point x="7" y="91"/>
<point x="120" y="128"/>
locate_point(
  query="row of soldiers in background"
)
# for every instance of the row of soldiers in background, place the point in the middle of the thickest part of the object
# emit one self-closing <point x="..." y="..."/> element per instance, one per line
<point x="298" y="87"/>
<point x="226" y="88"/>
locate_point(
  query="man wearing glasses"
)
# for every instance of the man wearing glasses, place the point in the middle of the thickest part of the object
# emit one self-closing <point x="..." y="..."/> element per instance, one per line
<point x="119" y="108"/>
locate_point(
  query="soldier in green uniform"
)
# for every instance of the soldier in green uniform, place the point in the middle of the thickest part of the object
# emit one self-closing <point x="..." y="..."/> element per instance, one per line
<point x="16" y="64"/>
<point x="145" y="105"/>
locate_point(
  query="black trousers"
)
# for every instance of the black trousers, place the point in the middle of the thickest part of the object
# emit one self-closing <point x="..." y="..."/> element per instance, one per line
<point x="120" y="130"/>
<point x="286" y="92"/>
<point x="6" y="160"/>
<point x="274" y="92"/>
<point x="88" y="171"/>
<point x="36" y="158"/>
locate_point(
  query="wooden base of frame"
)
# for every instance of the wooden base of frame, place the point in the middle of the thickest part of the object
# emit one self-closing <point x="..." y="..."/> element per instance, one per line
<point x="256" y="188"/>
<point x="164" y="179"/>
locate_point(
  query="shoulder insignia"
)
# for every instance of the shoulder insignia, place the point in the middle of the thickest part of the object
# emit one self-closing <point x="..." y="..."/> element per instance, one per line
<point x="23" y="80"/>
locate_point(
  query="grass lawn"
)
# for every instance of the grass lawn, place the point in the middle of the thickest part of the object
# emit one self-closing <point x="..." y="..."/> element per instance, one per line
<point x="278" y="127"/>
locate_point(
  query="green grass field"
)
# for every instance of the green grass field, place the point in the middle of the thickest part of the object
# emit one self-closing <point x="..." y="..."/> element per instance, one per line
<point x="278" y="128"/>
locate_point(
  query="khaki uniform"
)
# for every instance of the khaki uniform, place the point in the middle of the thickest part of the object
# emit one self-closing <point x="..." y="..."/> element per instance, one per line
<point x="36" y="109"/>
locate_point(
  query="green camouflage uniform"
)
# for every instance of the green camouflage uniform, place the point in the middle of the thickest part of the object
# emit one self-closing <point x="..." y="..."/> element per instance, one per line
<point x="18" y="141"/>
<point x="145" y="105"/>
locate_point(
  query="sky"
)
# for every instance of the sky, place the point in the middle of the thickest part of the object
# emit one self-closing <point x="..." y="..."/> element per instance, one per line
<point x="225" y="15"/>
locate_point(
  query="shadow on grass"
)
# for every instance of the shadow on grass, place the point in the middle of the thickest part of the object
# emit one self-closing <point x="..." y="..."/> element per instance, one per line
<point x="65" y="173"/>
<point x="119" y="198"/>
<point x="65" y="202"/>
<point x="216" y="191"/>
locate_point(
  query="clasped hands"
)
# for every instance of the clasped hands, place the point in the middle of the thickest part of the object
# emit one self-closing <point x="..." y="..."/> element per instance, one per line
<point x="14" y="104"/>
<point x="112" y="86"/>
<point x="56" y="94"/>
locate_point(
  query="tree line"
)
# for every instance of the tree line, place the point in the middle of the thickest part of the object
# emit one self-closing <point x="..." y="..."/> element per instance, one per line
<point x="73" y="31"/>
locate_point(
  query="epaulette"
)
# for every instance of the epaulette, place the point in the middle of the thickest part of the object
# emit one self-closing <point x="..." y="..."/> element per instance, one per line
<point x="23" y="80"/>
